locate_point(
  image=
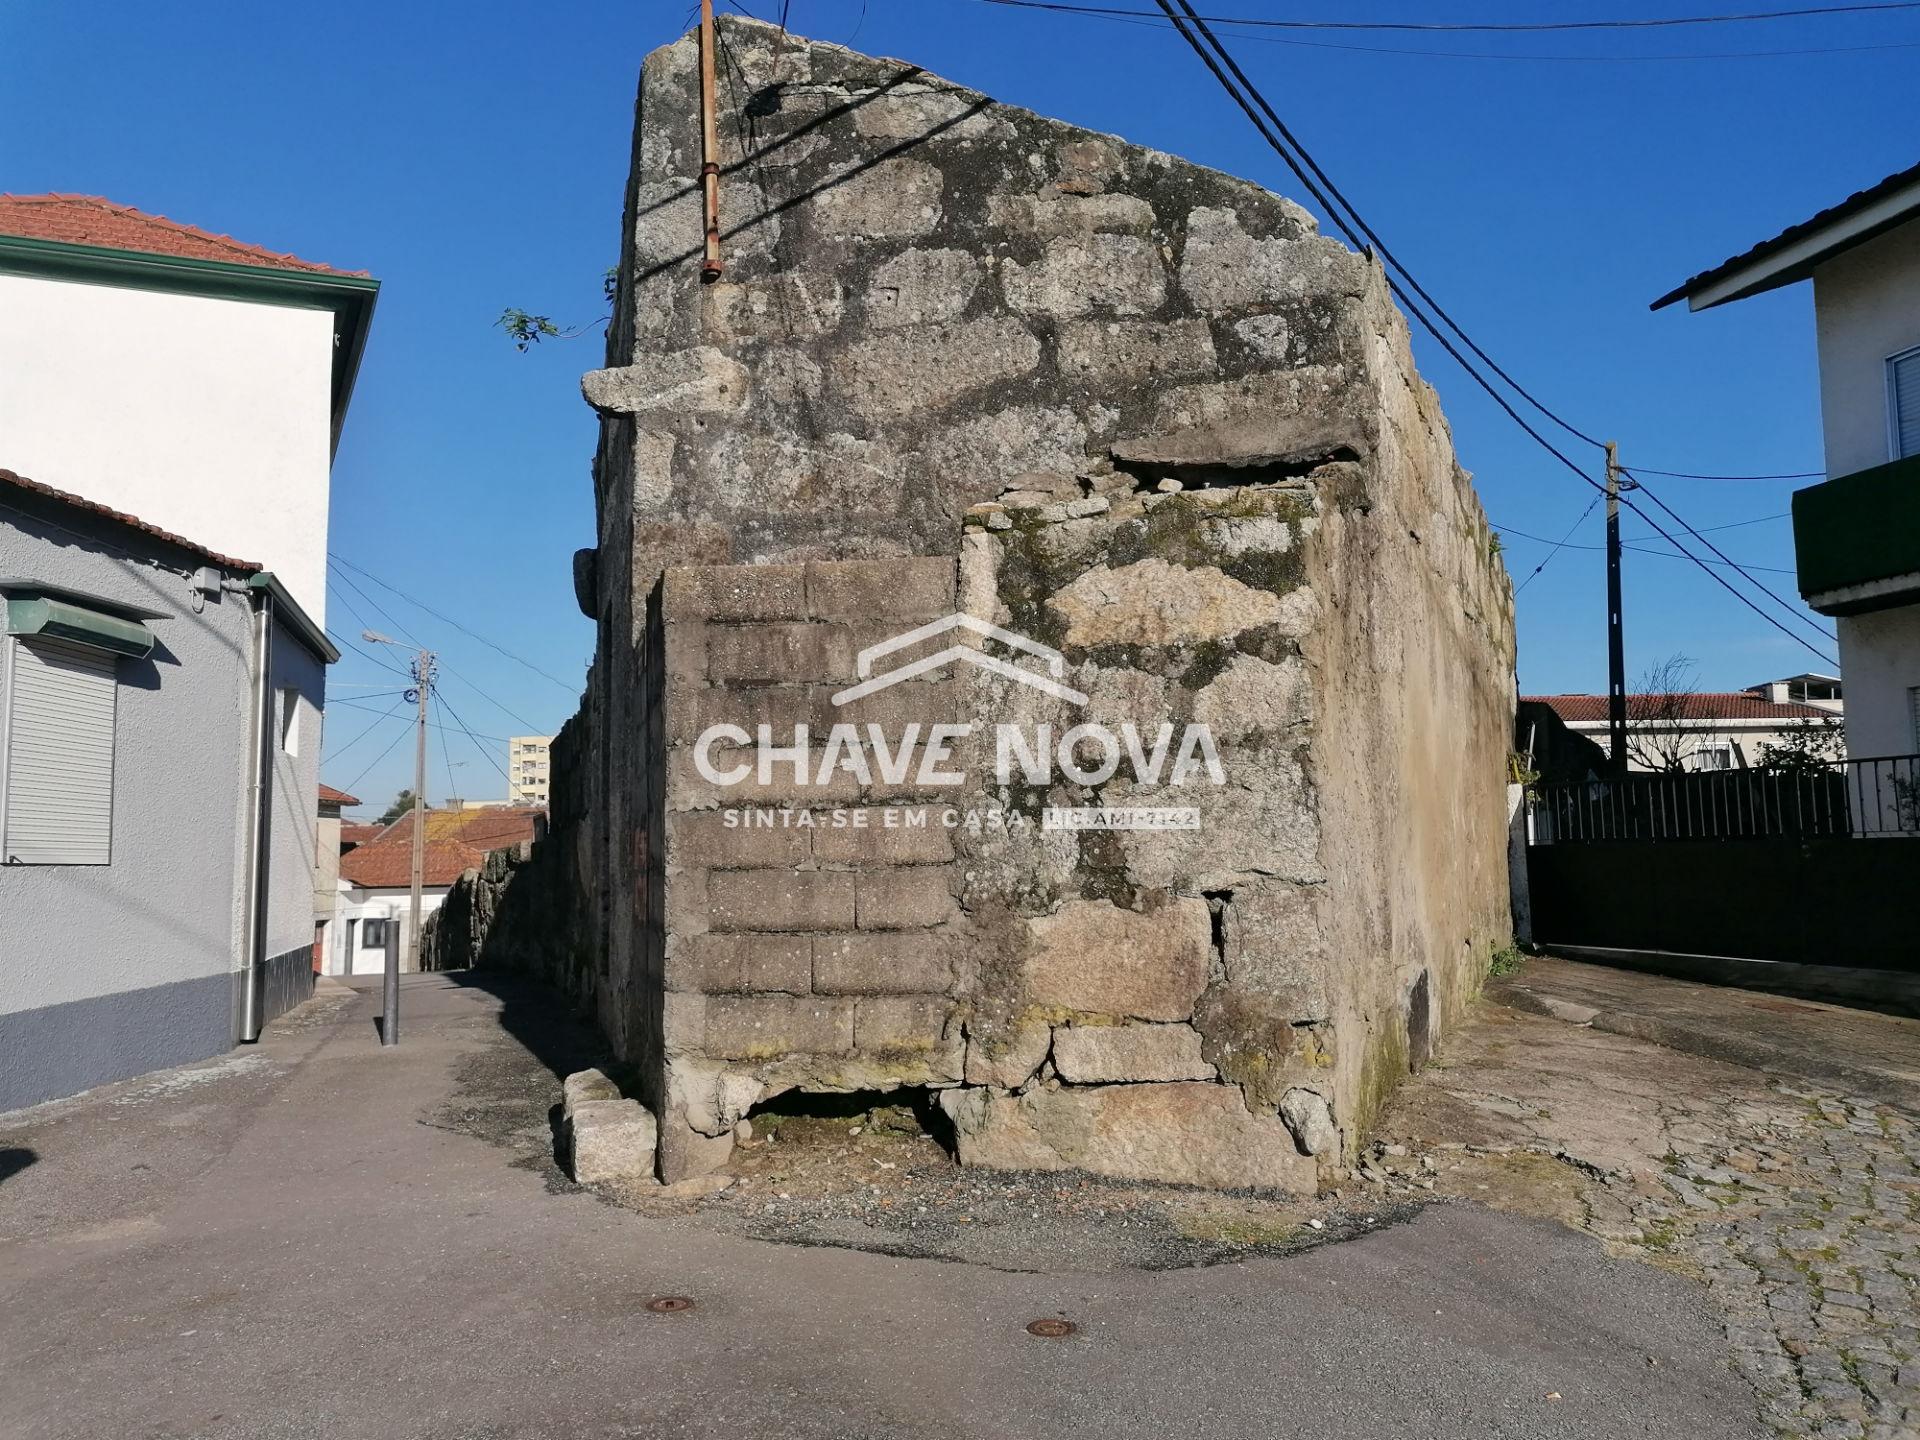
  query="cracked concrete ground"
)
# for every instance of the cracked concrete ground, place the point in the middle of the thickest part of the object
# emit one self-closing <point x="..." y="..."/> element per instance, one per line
<point x="1796" y="1204"/>
<point x="316" y="1237"/>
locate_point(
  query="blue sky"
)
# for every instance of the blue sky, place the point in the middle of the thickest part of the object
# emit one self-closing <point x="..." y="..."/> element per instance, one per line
<point x="473" y="157"/>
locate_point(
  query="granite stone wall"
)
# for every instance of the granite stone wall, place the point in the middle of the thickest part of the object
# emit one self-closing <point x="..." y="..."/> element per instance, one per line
<point x="1141" y="418"/>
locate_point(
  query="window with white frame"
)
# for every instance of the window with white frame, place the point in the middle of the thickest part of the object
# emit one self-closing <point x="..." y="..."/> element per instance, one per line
<point x="1903" y="403"/>
<point x="56" y="754"/>
<point x="1713" y="756"/>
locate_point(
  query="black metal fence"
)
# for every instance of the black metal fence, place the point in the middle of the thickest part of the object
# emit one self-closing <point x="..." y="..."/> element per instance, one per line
<point x="1854" y="798"/>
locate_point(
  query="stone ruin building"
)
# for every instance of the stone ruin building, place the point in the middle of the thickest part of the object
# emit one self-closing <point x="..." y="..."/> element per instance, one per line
<point x="1130" y="411"/>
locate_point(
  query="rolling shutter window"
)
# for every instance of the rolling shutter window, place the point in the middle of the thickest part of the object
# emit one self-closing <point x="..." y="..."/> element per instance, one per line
<point x="1903" y="398"/>
<point x="58" y="765"/>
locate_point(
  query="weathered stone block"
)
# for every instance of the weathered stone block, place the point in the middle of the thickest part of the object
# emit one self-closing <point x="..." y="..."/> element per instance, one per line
<point x="688" y="789"/>
<point x="921" y="287"/>
<point x="1109" y="1054"/>
<point x="583" y="1086"/>
<point x="1309" y="1118"/>
<point x="1006" y="1058"/>
<point x="780" y="900"/>
<point x="612" y="1140"/>
<point x="903" y="963"/>
<point x="896" y="199"/>
<point x="778" y="651"/>
<point x="887" y="590"/>
<point x="904" y="898"/>
<point x="1115" y="352"/>
<point x="741" y="964"/>
<point x="1110" y="274"/>
<point x="900" y="1025"/>
<point x="1153" y="603"/>
<point x="930" y="367"/>
<point x="885" y="835"/>
<point x="1093" y="957"/>
<point x="759" y="1027"/>
<point x="1184" y="1134"/>
<point x="692" y="708"/>
<point x="735" y="592"/>
<point x="706" y="838"/>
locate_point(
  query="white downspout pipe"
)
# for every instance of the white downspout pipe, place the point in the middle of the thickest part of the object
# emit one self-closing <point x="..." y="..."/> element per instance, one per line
<point x="247" y="994"/>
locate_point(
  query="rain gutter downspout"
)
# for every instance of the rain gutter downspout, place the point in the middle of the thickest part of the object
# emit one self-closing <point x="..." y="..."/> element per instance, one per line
<point x="248" y="998"/>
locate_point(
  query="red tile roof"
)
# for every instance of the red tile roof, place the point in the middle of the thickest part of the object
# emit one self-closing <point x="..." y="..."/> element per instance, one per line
<point x="1736" y="705"/>
<point x="34" y="487"/>
<point x="457" y="841"/>
<point x="331" y="796"/>
<point x="91" y="220"/>
<point x="352" y="834"/>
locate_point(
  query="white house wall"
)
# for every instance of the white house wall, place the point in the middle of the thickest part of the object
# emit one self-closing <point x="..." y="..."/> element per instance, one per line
<point x="1867" y="308"/>
<point x="1880" y="656"/>
<point x="356" y="904"/>
<point x="209" y="418"/>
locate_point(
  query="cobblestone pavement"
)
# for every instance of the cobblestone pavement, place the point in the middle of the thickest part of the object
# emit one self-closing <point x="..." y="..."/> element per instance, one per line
<point x="1797" y="1206"/>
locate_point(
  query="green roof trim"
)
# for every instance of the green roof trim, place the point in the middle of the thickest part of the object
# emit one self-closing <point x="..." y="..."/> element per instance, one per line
<point x="296" y="619"/>
<point x="351" y="298"/>
<point x="51" y="619"/>
<point x="1859" y="529"/>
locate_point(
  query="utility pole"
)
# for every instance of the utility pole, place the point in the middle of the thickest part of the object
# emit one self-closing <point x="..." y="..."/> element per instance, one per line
<point x="423" y="683"/>
<point x="711" y="266"/>
<point x="390" y="985"/>
<point x="1616" y="642"/>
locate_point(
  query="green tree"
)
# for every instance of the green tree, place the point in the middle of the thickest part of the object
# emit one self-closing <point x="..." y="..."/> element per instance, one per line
<point x="1809" y="746"/>
<point x="402" y="803"/>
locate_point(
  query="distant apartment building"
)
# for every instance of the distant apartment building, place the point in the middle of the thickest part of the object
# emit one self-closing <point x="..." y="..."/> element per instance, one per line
<point x="529" y="764"/>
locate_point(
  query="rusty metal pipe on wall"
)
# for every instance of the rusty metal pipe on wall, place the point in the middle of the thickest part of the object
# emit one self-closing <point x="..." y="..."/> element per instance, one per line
<point x="712" y="266"/>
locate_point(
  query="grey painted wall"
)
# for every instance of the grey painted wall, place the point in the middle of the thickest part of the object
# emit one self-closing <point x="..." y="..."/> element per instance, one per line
<point x="108" y="971"/>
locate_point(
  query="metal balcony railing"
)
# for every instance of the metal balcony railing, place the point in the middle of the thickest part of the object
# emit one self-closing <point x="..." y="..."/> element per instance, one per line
<point x="1865" y="798"/>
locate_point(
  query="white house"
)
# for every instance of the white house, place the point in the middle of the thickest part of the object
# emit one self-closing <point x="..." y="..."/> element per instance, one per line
<point x="169" y="401"/>
<point x="1708" y="730"/>
<point x="376" y="876"/>
<point x="187" y="378"/>
<point x="1857" y="534"/>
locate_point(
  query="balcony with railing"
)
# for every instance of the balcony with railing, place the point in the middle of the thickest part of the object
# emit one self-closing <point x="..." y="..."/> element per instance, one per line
<point x="1856" y="539"/>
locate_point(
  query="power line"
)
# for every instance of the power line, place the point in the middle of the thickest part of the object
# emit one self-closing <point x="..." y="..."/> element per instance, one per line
<point x="1689" y="475"/>
<point x="1524" y="56"/>
<point x="1557" y="547"/>
<point x="1646" y="490"/>
<point x="1657" y="22"/>
<point x="341" y="575"/>
<point x="573" y="690"/>
<point x="477" y="745"/>
<point x="375" y="761"/>
<point x="366" y="732"/>
<point x="431" y="724"/>
<point x="1637" y="549"/>
<point x="1286" y="155"/>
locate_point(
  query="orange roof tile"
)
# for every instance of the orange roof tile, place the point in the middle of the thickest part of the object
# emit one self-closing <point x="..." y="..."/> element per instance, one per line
<point x="34" y="487"/>
<point x="1734" y="705"/>
<point x="92" y="220"/>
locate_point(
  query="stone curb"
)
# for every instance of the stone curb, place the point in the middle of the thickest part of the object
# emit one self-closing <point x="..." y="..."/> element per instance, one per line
<point x="1693" y="1039"/>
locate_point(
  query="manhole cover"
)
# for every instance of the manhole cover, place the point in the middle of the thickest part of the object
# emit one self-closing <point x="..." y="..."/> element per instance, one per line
<point x="669" y="1304"/>
<point x="1051" y="1329"/>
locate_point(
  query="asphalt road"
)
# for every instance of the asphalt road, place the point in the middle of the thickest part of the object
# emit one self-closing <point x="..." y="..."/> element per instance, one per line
<point x="317" y="1238"/>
